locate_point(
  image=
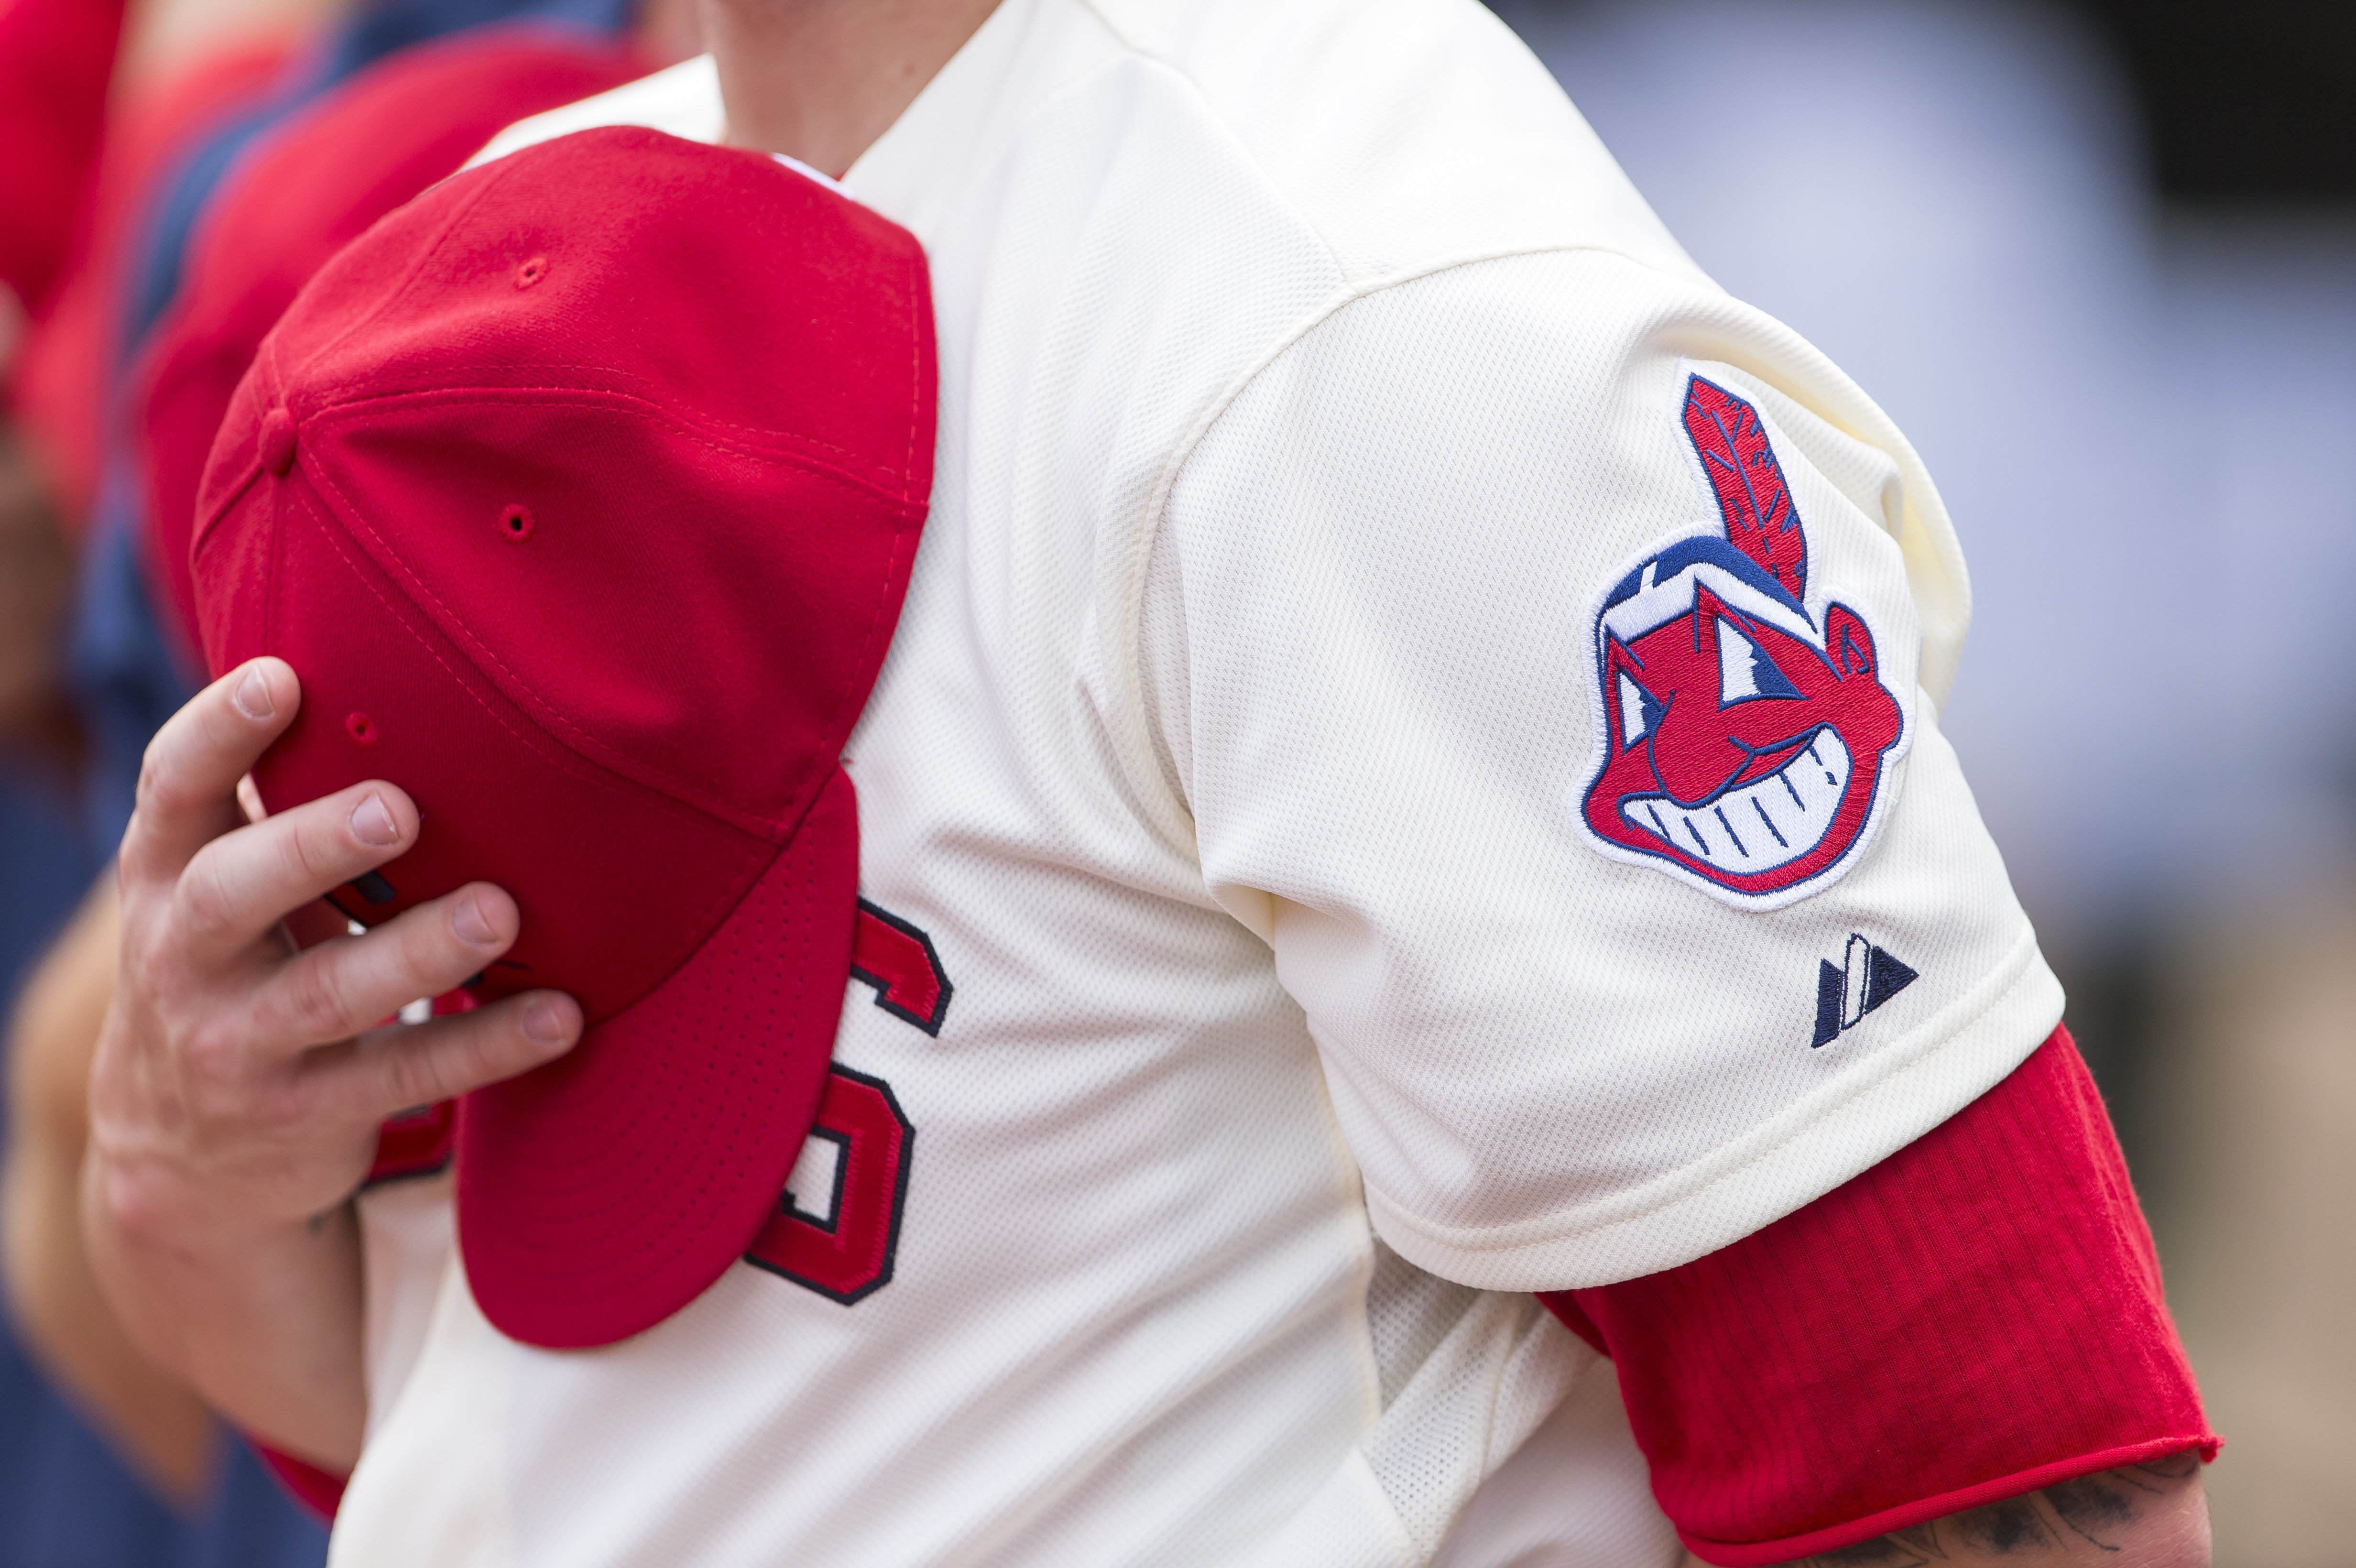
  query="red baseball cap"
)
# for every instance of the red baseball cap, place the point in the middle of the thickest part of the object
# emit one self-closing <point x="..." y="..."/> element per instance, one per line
<point x="304" y="191"/>
<point x="582" y="494"/>
<point x="57" y="60"/>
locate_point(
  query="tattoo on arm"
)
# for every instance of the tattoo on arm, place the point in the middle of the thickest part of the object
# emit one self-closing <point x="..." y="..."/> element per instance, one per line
<point x="2071" y="1521"/>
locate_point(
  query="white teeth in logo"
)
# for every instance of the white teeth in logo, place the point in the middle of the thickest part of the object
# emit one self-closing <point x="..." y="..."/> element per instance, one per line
<point x="1761" y="826"/>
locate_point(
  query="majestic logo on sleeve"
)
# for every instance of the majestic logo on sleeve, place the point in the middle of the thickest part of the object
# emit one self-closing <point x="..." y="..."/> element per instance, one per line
<point x="1746" y="728"/>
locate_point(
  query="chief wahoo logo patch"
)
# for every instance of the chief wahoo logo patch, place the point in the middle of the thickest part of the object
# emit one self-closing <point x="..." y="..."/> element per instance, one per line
<point x="1747" y="731"/>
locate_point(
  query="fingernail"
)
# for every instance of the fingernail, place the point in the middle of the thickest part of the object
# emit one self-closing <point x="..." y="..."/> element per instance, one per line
<point x="543" y="1023"/>
<point x="468" y="921"/>
<point x="373" y="823"/>
<point x="253" y="697"/>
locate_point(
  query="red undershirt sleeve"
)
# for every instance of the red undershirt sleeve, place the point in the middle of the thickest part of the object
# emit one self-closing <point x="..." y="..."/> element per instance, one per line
<point x="317" y="1490"/>
<point x="1976" y="1316"/>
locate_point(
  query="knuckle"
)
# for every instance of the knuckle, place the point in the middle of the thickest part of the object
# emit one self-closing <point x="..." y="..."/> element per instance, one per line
<point x="143" y="952"/>
<point x="206" y="906"/>
<point x="425" y="950"/>
<point x="308" y="857"/>
<point x="156" y="789"/>
<point x="417" y="1068"/>
<point x="466" y="1053"/>
<point x="316" y="1004"/>
<point x="150" y="967"/>
<point x="133" y="1206"/>
<point x="279" y="1102"/>
<point x="501" y="1046"/>
<point x="210" y="1052"/>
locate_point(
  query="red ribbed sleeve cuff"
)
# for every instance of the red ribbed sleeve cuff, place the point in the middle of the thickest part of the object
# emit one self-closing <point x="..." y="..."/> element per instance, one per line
<point x="1977" y="1317"/>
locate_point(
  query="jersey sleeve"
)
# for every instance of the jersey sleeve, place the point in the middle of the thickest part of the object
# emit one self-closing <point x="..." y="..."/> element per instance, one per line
<point x="1976" y="1317"/>
<point x="1545" y="652"/>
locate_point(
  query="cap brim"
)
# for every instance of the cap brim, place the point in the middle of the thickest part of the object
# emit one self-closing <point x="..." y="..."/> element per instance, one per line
<point x="600" y="1194"/>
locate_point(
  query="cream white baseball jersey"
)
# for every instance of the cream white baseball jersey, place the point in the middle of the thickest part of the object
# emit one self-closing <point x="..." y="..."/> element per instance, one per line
<point x="1409" y="775"/>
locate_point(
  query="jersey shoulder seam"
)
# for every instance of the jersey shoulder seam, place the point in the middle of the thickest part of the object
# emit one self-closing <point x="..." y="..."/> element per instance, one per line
<point x="1244" y="149"/>
<point x="1278" y="191"/>
<point x="1324" y="311"/>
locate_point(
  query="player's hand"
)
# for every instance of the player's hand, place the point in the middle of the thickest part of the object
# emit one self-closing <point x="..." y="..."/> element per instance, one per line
<point x="239" y="1082"/>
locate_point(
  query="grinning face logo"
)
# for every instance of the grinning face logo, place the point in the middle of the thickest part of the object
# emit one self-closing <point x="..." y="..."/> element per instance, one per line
<point x="1744" y="744"/>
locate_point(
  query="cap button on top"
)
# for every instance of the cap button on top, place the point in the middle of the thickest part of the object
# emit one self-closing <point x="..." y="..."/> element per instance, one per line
<point x="277" y="442"/>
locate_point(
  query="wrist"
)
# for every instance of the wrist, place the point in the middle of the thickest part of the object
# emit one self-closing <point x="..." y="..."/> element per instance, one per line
<point x="193" y="1287"/>
<point x="156" y="1207"/>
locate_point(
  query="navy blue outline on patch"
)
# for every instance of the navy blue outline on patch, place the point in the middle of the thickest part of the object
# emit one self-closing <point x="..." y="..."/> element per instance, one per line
<point x="1809" y="624"/>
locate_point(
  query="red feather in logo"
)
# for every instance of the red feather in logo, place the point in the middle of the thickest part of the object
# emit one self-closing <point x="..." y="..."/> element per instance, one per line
<point x="1752" y="494"/>
<point x="1745" y="740"/>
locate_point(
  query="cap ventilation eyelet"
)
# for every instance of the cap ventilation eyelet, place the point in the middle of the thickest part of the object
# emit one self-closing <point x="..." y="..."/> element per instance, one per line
<point x="531" y="271"/>
<point x="515" y="524"/>
<point x="362" y="729"/>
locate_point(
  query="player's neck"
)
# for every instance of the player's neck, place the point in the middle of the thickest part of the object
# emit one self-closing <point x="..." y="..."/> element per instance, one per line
<point x="821" y="79"/>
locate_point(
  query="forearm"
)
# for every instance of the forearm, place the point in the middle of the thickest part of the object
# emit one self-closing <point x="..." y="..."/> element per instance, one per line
<point x="2139" y="1516"/>
<point x="263" y="1318"/>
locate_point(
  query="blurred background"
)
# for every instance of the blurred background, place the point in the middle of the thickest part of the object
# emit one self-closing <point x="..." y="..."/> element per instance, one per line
<point x="2098" y="257"/>
<point x="171" y="173"/>
<point x="2099" y="261"/>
